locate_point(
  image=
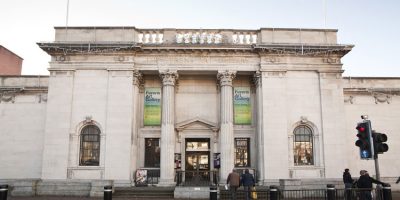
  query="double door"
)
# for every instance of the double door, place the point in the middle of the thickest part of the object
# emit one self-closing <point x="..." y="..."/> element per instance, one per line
<point x="197" y="162"/>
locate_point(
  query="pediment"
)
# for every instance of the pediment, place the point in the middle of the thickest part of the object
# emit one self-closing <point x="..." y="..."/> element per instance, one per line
<point x="196" y="123"/>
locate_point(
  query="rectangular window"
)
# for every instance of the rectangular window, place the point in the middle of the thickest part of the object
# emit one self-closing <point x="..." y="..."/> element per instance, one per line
<point x="242" y="152"/>
<point x="152" y="152"/>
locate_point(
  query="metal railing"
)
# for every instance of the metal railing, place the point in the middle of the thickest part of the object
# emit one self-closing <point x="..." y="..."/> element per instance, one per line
<point x="310" y="194"/>
<point x="196" y="178"/>
<point x="153" y="176"/>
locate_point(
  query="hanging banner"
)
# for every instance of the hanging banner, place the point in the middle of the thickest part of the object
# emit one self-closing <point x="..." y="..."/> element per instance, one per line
<point x="152" y="107"/>
<point x="241" y="105"/>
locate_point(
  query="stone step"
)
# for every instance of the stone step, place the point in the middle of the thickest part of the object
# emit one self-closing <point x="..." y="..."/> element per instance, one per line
<point x="145" y="192"/>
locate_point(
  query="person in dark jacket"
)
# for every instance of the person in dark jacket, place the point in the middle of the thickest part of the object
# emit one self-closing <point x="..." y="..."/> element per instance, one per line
<point x="247" y="180"/>
<point x="234" y="181"/>
<point x="348" y="183"/>
<point x="365" y="185"/>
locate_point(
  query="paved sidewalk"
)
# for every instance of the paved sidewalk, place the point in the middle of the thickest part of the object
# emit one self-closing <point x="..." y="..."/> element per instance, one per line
<point x="73" y="198"/>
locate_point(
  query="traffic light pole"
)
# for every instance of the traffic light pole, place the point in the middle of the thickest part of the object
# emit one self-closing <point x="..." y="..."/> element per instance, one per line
<point x="378" y="175"/>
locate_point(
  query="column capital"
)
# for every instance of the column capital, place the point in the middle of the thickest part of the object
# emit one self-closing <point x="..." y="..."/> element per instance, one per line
<point x="225" y="77"/>
<point x="169" y="77"/>
<point x="137" y="78"/>
<point x="257" y="78"/>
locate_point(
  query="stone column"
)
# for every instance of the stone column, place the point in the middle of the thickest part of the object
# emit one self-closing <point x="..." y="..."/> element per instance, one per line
<point x="167" y="128"/>
<point x="257" y="79"/>
<point x="226" y="138"/>
<point x="137" y="81"/>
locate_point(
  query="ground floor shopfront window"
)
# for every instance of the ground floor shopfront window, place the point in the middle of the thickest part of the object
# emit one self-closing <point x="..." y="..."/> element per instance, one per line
<point x="242" y="152"/>
<point x="152" y="152"/>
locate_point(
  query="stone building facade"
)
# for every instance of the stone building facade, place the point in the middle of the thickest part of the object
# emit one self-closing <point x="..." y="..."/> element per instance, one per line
<point x="123" y="99"/>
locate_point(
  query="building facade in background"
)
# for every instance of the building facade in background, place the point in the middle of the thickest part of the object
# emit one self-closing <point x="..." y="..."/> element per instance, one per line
<point x="122" y="101"/>
<point x="10" y="63"/>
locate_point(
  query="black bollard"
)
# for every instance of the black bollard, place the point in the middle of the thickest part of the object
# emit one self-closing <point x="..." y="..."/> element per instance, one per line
<point x="3" y="192"/>
<point x="213" y="192"/>
<point x="108" y="192"/>
<point x="331" y="192"/>
<point x="273" y="192"/>
<point x="387" y="192"/>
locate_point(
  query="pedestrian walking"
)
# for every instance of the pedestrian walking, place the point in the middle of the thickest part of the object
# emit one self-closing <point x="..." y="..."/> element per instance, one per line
<point x="365" y="185"/>
<point x="233" y="181"/>
<point x="247" y="180"/>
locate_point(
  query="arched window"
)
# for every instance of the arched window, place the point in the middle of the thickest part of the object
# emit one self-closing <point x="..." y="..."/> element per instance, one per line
<point x="90" y="146"/>
<point x="303" y="146"/>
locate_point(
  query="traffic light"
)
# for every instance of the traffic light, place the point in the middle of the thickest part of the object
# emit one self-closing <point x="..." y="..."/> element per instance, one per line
<point x="379" y="145"/>
<point x="364" y="141"/>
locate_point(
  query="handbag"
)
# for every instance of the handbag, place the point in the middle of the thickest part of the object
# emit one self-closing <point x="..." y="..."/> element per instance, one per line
<point x="253" y="193"/>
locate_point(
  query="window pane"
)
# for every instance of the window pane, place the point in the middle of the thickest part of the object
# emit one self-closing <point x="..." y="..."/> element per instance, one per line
<point x="303" y="146"/>
<point x="90" y="146"/>
<point x="242" y="152"/>
<point x="152" y="152"/>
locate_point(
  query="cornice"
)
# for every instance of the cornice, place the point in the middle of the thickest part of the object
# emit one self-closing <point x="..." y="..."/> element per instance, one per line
<point x="303" y="49"/>
<point x="72" y="48"/>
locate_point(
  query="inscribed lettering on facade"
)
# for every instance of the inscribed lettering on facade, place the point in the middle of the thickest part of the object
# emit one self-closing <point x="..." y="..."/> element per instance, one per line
<point x="152" y="107"/>
<point x="242" y="106"/>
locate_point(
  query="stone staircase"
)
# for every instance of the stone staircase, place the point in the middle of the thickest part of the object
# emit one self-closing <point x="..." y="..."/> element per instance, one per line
<point x="144" y="192"/>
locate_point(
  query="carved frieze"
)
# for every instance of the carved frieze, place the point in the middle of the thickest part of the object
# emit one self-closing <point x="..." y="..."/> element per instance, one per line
<point x="275" y="74"/>
<point x="42" y="98"/>
<point x="200" y="60"/>
<point x="270" y="60"/>
<point x="349" y="99"/>
<point x="7" y="97"/>
<point x="382" y="98"/>
<point x="331" y="60"/>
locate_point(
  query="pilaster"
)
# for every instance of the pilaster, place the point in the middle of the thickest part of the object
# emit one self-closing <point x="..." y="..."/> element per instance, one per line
<point x="137" y="82"/>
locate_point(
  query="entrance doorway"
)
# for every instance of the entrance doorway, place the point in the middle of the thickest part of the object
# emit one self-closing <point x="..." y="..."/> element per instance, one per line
<point x="197" y="161"/>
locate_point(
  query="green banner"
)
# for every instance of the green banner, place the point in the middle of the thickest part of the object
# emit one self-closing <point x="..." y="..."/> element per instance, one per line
<point x="152" y="107"/>
<point x="241" y="105"/>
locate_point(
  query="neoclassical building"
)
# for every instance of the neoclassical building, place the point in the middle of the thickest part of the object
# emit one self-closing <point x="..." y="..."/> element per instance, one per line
<point x="177" y="104"/>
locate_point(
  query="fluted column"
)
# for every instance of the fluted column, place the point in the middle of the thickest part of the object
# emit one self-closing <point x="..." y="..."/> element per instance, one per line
<point x="257" y="79"/>
<point x="137" y="81"/>
<point x="226" y="137"/>
<point x="167" y="128"/>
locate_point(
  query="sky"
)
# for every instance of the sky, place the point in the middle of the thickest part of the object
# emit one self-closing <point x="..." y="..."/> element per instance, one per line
<point x="373" y="26"/>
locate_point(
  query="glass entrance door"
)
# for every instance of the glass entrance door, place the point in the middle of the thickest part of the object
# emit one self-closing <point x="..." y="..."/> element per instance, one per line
<point x="197" y="161"/>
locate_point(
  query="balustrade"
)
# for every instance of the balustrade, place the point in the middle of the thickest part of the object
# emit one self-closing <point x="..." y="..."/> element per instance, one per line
<point x="244" y="38"/>
<point x="151" y="37"/>
<point x="156" y="36"/>
<point x="198" y="38"/>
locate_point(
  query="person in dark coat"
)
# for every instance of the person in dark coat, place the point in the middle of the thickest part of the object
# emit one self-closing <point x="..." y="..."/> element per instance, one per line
<point x="348" y="183"/>
<point x="247" y="180"/>
<point x="234" y="181"/>
<point x="365" y="185"/>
